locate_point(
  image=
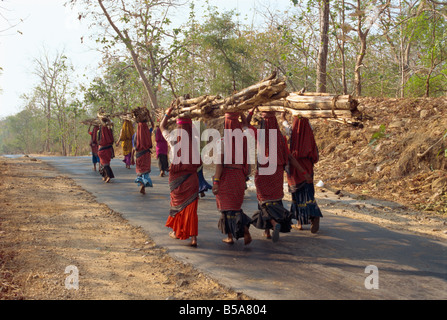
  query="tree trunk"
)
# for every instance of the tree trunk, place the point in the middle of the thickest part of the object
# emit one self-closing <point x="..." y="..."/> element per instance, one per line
<point x="359" y="64"/>
<point x="323" y="48"/>
<point x="127" y="41"/>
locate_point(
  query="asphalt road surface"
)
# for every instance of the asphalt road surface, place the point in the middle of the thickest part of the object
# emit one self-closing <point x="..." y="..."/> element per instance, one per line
<point x="348" y="259"/>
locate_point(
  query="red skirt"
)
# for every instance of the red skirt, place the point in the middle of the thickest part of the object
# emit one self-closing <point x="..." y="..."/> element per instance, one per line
<point x="105" y="155"/>
<point x="270" y="187"/>
<point x="143" y="163"/>
<point x="231" y="189"/>
<point x="186" y="222"/>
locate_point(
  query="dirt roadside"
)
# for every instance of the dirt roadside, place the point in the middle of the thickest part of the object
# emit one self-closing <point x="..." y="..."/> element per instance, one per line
<point x="48" y="223"/>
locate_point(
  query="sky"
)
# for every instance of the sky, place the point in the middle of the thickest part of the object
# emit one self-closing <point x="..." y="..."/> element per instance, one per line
<point x="28" y="28"/>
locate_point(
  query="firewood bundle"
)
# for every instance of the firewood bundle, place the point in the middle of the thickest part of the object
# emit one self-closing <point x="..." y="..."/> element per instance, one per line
<point x="91" y="122"/>
<point x="214" y="106"/>
<point x="315" y="105"/>
<point x="139" y="114"/>
<point x="268" y="95"/>
<point x="104" y="118"/>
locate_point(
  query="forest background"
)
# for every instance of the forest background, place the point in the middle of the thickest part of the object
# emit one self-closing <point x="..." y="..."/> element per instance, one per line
<point x="373" y="48"/>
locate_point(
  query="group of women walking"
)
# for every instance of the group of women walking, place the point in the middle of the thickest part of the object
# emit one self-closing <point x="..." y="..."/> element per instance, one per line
<point x="295" y="154"/>
<point x="137" y="150"/>
<point x="230" y="177"/>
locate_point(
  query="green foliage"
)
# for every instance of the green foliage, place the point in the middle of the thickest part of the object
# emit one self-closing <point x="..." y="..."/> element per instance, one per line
<point x="218" y="54"/>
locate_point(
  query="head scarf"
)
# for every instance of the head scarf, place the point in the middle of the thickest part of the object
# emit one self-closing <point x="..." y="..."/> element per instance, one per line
<point x="232" y="123"/>
<point x="303" y="148"/>
<point x="302" y="140"/>
<point x="187" y="132"/>
<point x="269" y="122"/>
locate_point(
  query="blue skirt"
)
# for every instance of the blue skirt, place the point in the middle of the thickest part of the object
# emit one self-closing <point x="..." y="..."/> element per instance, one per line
<point x="144" y="179"/>
<point x="95" y="158"/>
<point x="304" y="206"/>
<point x="203" y="185"/>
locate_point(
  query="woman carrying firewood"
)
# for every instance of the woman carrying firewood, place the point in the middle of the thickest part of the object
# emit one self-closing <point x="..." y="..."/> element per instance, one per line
<point x="270" y="186"/>
<point x="94" y="144"/>
<point x="229" y="183"/>
<point x="183" y="181"/>
<point x="162" y="152"/>
<point x="106" y="152"/>
<point x="303" y="151"/>
<point x="143" y="145"/>
<point x="125" y="138"/>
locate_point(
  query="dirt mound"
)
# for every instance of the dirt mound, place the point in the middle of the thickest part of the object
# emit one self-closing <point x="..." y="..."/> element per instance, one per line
<point x="399" y="154"/>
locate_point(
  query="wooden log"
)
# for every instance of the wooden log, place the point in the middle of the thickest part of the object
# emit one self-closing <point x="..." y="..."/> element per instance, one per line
<point x="270" y="94"/>
<point x="91" y="122"/>
<point x="327" y="102"/>
<point x="345" y="114"/>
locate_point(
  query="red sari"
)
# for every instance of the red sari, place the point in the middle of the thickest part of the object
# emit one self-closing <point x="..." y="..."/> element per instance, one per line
<point x="184" y="187"/>
<point x="232" y="181"/>
<point x="106" y="153"/>
<point x="106" y="140"/>
<point x="232" y="185"/>
<point x="304" y="149"/>
<point x="271" y="187"/>
<point x="143" y="147"/>
<point x="94" y="140"/>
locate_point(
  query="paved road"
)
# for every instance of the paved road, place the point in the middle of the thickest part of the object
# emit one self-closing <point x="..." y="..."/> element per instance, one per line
<point x="328" y="265"/>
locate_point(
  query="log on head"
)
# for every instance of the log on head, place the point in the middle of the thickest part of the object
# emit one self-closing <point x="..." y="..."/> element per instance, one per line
<point x="209" y="107"/>
<point x="104" y="118"/>
<point x="317" y="101"/>
<point x="91" y="122"/>
<point x="346" y="114"/>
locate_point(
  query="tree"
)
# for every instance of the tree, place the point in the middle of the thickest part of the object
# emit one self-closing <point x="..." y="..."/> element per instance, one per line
<point x="140" y="26"/>
<point x="48" y="70"/>
<point x="227" y="47"/>
<point x="323" y="47"/>
<point x="366" y="14"/>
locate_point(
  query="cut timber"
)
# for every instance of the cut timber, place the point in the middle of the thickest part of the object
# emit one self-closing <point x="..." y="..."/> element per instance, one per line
<point x="268" y="94"/>
<point x="91" y="122"/>
<point x="319" y="102"/>
<point x="209" y="107"/>
<point x="310" y="113"/>
<point x="139" y="114"/>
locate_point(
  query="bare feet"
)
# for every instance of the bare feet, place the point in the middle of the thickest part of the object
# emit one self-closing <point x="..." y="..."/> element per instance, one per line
<point x="143" y="189"/>
<point x="172" y="235"/>
<point x="247" y="238"/>
<point x="297" y="226"/>
<point x="276" y="230"/>
<point x="228" y="240"/>
<point x="193" y="242"/>
<point x="315" y="225"/>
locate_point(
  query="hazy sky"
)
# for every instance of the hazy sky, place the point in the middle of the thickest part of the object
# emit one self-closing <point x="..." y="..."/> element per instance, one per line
<point x="48" y="25"/>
